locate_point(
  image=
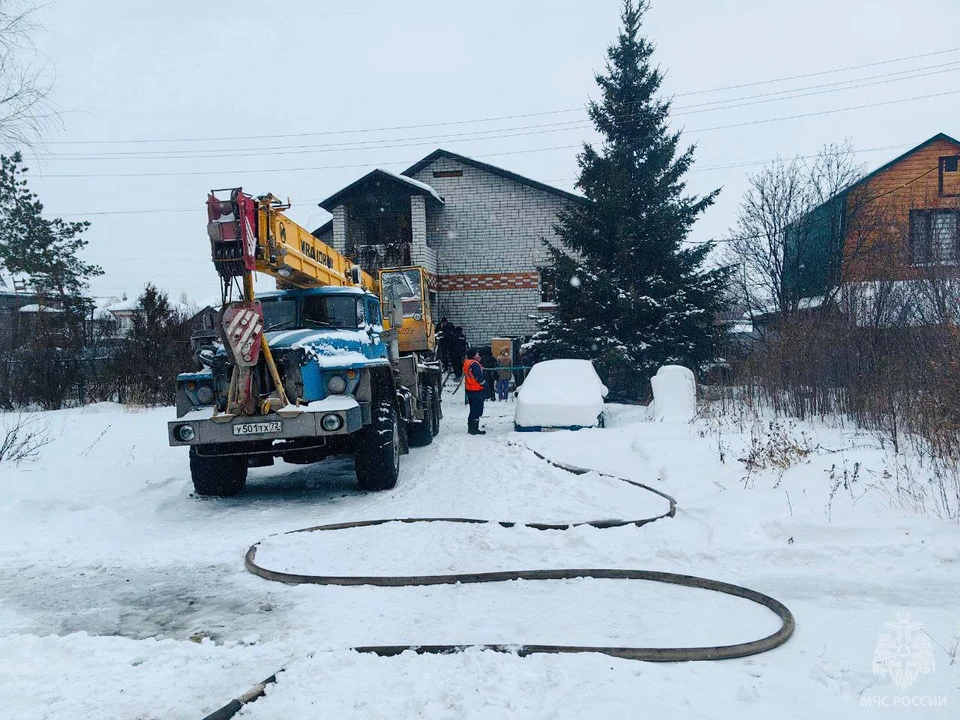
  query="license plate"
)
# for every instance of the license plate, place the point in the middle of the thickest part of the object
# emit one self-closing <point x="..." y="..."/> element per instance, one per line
<point x="261" y="428"/>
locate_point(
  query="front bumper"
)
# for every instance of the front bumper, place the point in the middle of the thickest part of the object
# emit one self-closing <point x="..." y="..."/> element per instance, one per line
<point x="294" y="423"/>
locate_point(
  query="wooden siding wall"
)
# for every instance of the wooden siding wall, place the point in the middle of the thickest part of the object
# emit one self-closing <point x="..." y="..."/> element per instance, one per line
<point x="877" y="228"/>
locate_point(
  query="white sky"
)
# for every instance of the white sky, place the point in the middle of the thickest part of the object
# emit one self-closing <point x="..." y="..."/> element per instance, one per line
<point x="133" y="70"/>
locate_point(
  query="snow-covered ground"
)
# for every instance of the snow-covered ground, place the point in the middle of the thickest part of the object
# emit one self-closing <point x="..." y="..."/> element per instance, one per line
<point x="122" y="596"/>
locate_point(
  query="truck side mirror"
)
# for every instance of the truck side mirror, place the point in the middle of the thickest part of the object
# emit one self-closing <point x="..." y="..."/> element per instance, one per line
<point x="396" y="313"/>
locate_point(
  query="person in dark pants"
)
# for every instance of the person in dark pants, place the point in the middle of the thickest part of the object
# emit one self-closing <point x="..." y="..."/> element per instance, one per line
<point x="457" y="344"/>
<point x="443" y="332"/>
<point x="475" y="380"/>
<point x="490" y="368"/>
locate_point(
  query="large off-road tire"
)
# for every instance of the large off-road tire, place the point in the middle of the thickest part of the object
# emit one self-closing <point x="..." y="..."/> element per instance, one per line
<point x="218" y="476"/>
<point x="421" y="433"/>
<point x="377" y="450"/>
<point x="436" y="411"/>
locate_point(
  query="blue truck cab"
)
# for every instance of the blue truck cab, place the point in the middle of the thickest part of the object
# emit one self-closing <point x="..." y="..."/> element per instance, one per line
<point x="333" y="357"/>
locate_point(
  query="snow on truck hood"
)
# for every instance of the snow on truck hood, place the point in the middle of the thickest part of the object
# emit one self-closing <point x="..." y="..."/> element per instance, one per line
<point x="331" y="347"/>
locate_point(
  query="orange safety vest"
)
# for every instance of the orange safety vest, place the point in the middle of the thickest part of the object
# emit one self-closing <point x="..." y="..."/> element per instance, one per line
<point x="469" y="379"/>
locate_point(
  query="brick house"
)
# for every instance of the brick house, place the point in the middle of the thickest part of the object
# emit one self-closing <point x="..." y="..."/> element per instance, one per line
<point x="475" y="227"/>
<point x="895" y="232"/>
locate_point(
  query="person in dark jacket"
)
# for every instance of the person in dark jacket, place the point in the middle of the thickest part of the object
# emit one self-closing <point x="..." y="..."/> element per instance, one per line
<point x="490" y="368"/>
<point x="443" y="343"/>
<point x="457" y="348"/>
<point x="475" y="380"/>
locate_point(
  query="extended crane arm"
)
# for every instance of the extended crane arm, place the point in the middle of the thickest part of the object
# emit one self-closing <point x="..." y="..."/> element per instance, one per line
<point x="250" y="234"/>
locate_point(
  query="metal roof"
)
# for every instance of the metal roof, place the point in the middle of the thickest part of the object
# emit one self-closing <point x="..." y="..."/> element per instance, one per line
<point x="486" y="167"/>
<point x="333" y="200"/>
<point x="414" y="186"/>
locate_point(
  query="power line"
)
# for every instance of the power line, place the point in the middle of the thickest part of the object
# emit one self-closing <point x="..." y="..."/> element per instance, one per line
<point x="714" y="241"/>
<point x="826" y="112"/>
<point x="495" y="118"/>
<point x="940" y="66"/>
<point x="879" y="196"/>
<point x="515" y="152"/>
<point x="820" y="73"/>
<point x="310" y="202"/>
<point x="390" y="143"/>
<point x="822" y="92"/>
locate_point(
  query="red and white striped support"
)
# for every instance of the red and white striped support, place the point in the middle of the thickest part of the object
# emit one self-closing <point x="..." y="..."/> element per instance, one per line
<point x="242" y="325"/>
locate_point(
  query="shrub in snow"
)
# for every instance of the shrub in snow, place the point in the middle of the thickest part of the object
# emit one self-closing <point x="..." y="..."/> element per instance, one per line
<point x="674" y="394"/>
<point x="22" y="439"/>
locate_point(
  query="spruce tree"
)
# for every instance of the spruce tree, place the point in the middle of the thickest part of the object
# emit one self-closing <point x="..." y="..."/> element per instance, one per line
<point x="631" y="292"/>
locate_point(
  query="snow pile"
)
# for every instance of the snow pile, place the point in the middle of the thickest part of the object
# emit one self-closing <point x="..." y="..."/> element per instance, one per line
<point x="674" y="394"/>
<point x="560" y="393"/>
<point x="109" y="568"/>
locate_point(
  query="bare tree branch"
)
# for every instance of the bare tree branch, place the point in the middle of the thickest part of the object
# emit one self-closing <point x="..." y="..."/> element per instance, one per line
<point x="26" y="79"/>
<point x="779" y="223"/>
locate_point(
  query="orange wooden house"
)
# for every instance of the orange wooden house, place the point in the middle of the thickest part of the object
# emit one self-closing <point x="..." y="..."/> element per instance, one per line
<point x="901" y="222"/>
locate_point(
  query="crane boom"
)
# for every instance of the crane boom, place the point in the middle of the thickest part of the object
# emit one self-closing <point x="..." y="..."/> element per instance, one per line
<point x="253" y="235"/>
<point x="250" y="235"/>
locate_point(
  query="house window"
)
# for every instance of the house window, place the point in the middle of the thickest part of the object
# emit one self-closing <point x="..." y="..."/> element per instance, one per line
<point x="934" y="237"/>
<point x="950" y="176"/>
<point x="448" y="173"/>
<point x="548" y="286"/>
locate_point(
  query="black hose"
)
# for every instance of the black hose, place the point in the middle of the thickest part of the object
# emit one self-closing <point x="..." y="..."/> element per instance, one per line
<point x="649" y="654"/>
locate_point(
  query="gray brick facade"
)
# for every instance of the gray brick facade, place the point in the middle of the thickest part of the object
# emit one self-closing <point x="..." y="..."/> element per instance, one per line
<point x="486" y="314"/>
<point x="482" y="245"/>
<point x="493" y="225"/>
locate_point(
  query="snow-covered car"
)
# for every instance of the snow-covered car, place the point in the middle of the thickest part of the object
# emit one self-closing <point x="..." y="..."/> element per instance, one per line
<point x="560" y="395"/>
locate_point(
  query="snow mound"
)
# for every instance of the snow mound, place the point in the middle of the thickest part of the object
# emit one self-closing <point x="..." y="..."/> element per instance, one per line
<point x="674" y="394"/>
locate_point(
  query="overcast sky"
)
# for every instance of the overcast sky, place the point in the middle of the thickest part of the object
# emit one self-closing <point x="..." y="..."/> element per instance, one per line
<point x="303" y="76"/>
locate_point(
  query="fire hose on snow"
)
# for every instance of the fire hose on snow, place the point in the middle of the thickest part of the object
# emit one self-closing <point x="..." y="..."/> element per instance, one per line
<point x="646" y="654"/>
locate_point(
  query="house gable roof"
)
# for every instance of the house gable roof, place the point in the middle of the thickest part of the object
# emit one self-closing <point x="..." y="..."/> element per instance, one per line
<point x="425" y="189"/>
<point x="415" y="187"/>
<point x="886" y="166"/>
<point x="486" y="167"/>
<point x="824" y="226"/>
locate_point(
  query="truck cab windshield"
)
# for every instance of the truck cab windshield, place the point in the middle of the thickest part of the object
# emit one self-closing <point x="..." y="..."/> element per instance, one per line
<point x="332" y="311"/>
<point x="403" y="285"/>
<point x="278" y="314"/>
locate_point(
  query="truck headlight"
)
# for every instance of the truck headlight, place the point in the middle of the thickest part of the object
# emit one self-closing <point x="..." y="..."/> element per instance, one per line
<point x="336" y="385"/>
<point x="331" y="423"/>
<point x="205" y="394"/>
<point x="185" y="433"/>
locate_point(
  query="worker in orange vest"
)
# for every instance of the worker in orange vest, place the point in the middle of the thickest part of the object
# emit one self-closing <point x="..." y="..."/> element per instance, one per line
<point x="475" y="382"/>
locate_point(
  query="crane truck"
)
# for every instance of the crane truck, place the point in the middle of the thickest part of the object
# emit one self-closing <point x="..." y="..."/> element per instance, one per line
<point x="336" y="361"/>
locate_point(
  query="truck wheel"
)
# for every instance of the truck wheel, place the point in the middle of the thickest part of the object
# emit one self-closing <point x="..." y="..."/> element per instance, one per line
<point x="218" y="476"/>
<point x="422" y="433"/>
<point x="436" y="411"/>
<point x="377" y="451"/>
